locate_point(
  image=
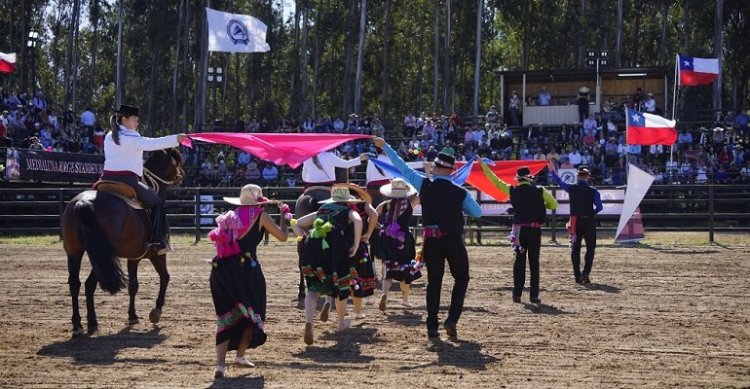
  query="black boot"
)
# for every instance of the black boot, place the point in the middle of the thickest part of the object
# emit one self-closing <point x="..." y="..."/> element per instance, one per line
<point x="158" y="242"/>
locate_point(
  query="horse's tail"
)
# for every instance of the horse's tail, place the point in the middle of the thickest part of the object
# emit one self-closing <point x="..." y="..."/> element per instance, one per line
<point x="104" y="262"/>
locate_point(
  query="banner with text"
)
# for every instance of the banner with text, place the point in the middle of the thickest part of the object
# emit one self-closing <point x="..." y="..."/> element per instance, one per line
<point x="46" y="166"/>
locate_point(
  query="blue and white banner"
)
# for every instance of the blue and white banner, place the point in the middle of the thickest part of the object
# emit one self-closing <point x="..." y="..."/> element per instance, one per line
<point x="235" y="33"/>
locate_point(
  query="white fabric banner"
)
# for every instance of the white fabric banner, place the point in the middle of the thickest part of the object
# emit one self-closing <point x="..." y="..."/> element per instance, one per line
<point x="638" y="184"/>
<point x="8" y="57"/>
<point x="235" y="33"/>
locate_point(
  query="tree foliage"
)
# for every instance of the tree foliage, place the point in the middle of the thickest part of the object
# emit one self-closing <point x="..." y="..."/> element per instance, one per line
<point x="162" y="52"/>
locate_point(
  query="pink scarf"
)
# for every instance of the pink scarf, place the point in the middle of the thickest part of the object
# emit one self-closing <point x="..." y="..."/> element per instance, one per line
<point x="231" y="225"/>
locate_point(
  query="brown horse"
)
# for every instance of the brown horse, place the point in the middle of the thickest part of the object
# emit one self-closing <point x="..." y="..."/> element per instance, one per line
<point x="103" y="225"/>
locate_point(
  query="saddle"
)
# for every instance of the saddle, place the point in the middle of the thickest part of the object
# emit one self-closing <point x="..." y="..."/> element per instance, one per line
<point x="121" y="190"/>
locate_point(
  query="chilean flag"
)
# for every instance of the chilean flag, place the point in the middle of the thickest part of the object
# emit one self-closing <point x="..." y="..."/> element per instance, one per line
<point x="7" y="62"/>
<point x="647" y="129"/>
<point x="697" y="71"/>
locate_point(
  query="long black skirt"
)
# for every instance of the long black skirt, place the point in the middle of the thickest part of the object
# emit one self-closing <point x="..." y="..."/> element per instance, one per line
<point x="398" y="259"/>
<point x="364" y="281"/>
<point x="238" y="290"/>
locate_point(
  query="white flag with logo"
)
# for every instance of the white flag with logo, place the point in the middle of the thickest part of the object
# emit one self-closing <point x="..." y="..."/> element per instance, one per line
<point x="233" y="33"/>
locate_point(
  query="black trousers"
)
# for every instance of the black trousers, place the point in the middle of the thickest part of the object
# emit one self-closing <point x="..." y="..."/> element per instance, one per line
<point x="585" y="230"/>
<point x="436" y="251"/>
<point x="531" y="240"/>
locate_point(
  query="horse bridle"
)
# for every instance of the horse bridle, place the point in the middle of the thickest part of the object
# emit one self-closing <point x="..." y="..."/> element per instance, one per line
<point x="153" y="180"/>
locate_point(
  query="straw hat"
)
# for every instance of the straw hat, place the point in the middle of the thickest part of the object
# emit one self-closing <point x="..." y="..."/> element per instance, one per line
<point x="250" y="194"/>
<point x="583" y="171"/>
<point x="398" y="189"/>
<point x="340" y="194"/>
<point x="584" y="89"/>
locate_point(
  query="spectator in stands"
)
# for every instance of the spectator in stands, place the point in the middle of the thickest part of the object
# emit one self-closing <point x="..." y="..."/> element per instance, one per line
<point x="729" y="120"/>
<point x="741" y="122"/>
<point x="718" y="136"/>
<point x="35" y="144"/>
<point x="492" y="116"/>
<point x="745" y="173"/>
<point x="582" y="101"/>
<point x="410" y="125"/>
<point x="575" y="157"/>
<point x="514" y="105"/>
<point x="684" y="139"/>
<point x="686" y="172"/>
<point x="39" y="102"/>
<point x="88" y="119"/>
<point x="270" y="174"/>
<point x="650" y="104"/>
<point x="429" y="130"/>
<point x="638" y="99"/>
<point x="377" y="128"/>
<point x="252" y="174"/>
<point x="590" y="124"/>
<point x="552" y="154"/>
<point x="544" y="97"/>
<point x="338" y="126"/>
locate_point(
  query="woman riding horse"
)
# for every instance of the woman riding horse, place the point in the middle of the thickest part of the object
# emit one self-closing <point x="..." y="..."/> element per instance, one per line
<point x="106" y="227"/>
<point x="123" y="162"/>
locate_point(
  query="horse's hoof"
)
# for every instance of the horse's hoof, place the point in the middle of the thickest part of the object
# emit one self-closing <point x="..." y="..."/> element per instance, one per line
<point x="155" y="315"/>
<point x="133" y="321"/>
<point x="77" y="333"/>
<point x="92" y="329"/>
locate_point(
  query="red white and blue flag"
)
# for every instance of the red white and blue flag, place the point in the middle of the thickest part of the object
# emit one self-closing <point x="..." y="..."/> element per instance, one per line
<point x="647" y="129"/>
<point x="697" y="71"/>
<point x="7" y="62"/>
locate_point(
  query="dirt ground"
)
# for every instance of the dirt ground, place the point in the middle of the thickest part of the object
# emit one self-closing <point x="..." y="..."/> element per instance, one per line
<point x="655" y="316"/>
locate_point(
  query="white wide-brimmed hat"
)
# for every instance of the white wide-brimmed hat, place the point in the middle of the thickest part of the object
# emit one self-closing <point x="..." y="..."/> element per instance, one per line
<point x="250" y="194"/>
<point x="584" y="89"/>
<point x="398" y="189"/>
<point x="340" y="194"/>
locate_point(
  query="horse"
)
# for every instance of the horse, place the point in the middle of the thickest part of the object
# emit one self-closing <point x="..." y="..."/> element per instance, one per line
<point x="108" y="226"/>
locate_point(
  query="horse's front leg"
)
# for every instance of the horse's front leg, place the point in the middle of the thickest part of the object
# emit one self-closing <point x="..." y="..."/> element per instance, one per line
<point x="132" y="289"/>
<point x="74" y="283"/>
<point x="160" y="264"/>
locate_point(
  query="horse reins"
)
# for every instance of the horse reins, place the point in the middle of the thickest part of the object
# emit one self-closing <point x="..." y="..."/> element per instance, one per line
<point x="152" y="180"/>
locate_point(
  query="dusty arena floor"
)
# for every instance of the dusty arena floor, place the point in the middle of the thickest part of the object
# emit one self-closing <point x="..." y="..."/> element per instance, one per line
<point x="656" y="315"/>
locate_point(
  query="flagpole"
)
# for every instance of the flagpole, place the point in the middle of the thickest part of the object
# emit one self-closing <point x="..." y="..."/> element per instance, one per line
<point x="674" y="109"/>
<point x="118" y="81"/>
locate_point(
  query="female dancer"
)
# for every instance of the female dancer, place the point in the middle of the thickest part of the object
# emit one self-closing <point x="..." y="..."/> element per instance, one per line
<point x="326" y="254"/>
<point x="364" y="280"/>
<point x="238" y="287"/>
<point x="397" y="243"/>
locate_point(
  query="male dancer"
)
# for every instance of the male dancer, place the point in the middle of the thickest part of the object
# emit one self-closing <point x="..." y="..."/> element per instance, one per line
<point x="443" y="206"/>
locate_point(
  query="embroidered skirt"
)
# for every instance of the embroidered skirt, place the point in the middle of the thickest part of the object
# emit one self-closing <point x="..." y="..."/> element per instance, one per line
<point x="398" y="257"/>
<point x="238" y="290"/>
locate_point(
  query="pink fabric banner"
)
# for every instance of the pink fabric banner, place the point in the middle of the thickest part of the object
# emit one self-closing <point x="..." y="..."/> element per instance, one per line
<point x="281" y="149"/>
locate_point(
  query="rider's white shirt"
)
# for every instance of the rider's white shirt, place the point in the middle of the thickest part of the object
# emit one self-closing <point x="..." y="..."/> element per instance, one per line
<point x="311" y="174"/>
<point x="372" y="173"/>
<point x="128" y="155"/>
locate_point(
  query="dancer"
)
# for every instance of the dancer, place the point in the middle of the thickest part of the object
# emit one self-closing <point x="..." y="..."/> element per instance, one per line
<point x="319" y="174"/>
<point x="238" y="287"/>
<point x="326" y="254"/>
<point x="397" y="242"/>
<point x="529" y="203"/>
<point x="443" y="206"/>
<point x="585" y="204"/>
<point x="363" y="276"/>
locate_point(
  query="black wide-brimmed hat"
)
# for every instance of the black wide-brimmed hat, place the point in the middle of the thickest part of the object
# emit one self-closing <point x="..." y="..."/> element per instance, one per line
<point x="127" y="110"/>
<point x="524" y="174"/>
<point x="445" y="158"/>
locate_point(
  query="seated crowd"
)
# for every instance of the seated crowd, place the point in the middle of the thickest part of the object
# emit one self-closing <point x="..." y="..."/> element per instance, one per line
<point x="721" y="151"/>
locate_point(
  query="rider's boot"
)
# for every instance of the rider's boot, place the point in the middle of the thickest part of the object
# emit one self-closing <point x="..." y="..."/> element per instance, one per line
<point x="159" y="241"/>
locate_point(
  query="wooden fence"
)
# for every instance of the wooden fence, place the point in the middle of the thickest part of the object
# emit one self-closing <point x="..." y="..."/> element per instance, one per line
<point x="709" y="208"/>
